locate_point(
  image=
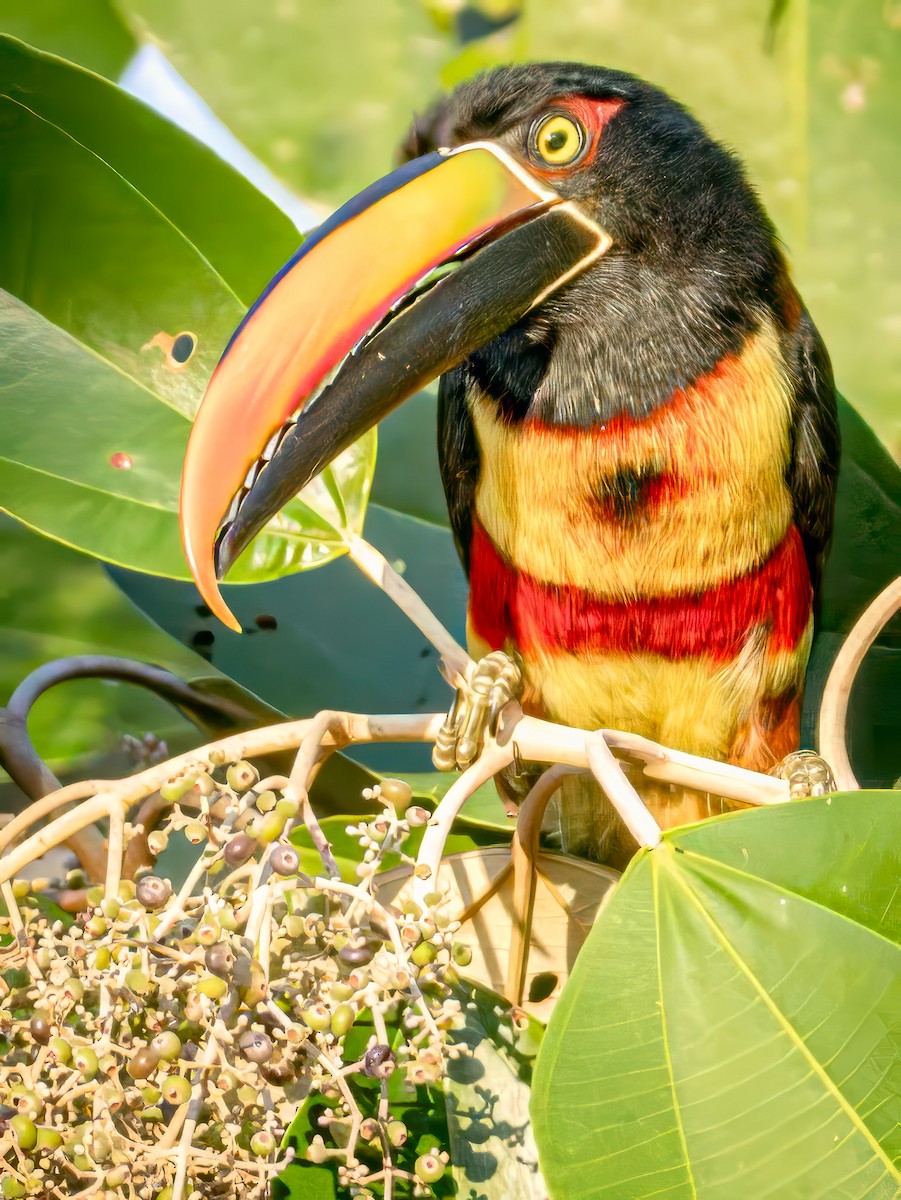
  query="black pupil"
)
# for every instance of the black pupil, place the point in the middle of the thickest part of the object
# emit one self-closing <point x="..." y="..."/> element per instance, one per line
<point x="557" y="140"/>
<point x="182" y="347"/>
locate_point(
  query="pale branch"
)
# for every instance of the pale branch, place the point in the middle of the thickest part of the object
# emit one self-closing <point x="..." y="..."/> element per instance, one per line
<point x="832" y="739"/>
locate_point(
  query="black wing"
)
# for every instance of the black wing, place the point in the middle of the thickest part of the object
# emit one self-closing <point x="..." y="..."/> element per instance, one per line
<point x="458" y="457"/>
<point x="815" y="442"/>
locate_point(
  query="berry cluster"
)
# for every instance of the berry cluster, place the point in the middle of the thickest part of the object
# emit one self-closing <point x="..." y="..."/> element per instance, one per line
<point x="160" y="1043"/>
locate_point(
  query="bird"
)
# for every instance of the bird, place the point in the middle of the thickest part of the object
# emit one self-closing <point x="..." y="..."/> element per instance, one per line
<point x="637" y="422"/>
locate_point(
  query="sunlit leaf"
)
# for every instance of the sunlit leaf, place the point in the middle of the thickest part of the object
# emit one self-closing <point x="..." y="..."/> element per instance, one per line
<point x="120" y="233"/>
<point x="730" y="1028"/>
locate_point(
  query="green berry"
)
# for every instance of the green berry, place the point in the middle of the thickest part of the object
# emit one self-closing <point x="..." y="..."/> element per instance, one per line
<point x="287" y="808"/>
<point x="269" y="828"/>
<point x="176" y="1089"/>
<point x="138" y="981"/>
<point x="173" y="789"/>
<point x="11" y="1189"/>
<point x="342" y="1019"/>
<point x="461" y="954"/>
<point x="395" y="792"/>
<point x="429" y="1168"/>
<point x="84" y="1060"/>
<point x="60" y="1049"/>
<point x="166" y="1044"/>
<point x="48" y="1138"/>
<point x="423" y="954"/>
<point x="25" y="1130"/>
<point x="212" y="986"/>
<point x="241" y="776"/>
<point x="262" y="1142"/>
<point x="195" y="833"/>
<point x="396" y="1132"/>
<point x="265" y="802"/>
<point x="318" y="1017"/>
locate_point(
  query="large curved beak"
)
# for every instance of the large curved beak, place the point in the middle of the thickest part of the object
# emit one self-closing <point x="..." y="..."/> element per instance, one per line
<point x="401" y="284"/>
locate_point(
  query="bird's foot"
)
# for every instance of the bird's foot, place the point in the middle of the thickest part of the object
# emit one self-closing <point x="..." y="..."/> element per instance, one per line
<point x="491" y="683"/>
<point x="807" y="774"/>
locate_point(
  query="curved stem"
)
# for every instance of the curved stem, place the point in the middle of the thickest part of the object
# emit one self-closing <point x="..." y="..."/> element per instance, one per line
<point x="832" y="737"/>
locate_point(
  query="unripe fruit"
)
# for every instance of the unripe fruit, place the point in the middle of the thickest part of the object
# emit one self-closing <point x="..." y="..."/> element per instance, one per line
<point x="142" y="1064"/>
<point x="138" y="981"/>
<point x="25" y="1100"/>
<point x="207" y="931"/>
<point x="429" y="1168"/>
<point x="73" y="989"/>
<point x="111" y="908"/>
<point x="423" y="954"/>
<point x="396" y="1132"/>
<point x="157" y="841"/>
<point x="84" y="1060"/>
<point x="220" y="959"/>
<point x="256" y="1047"/>
<point x="269" y="828"/>
<point x="241" y="776"/>
<point x="213" y="987"/>
<point x="11" y="1189"/>
<point x="152" y="892"/>
<point x="173" y="789"/>
<point x="117" y="1176"/>
<point x="151" y="1115"/>
<point x="48" y="1138"/>
<point x="151" y="1095"/>
<point x="396" y="792"/>
<point x="379" y="1062"/>
<point x="25" y="1130"/>
<point x="284" y="859"/>
<point x="40" y="1027"/>
<point x="176" y="1089"/>
<point x="166" y="1044"/>
<point x="238" y="849"/>
<point x="195" y="833"/>
<point x="166" y="1194"/>
<point x="318" y="1017"/>
<point x="60" y="1049"/>
<point x="461" y="954"/>
<point x="340" y="991"/>
<point x="265" y="802"/>
<point x="287" y="808"/>
<point x="417" y="816"/>
<point x="342" y="1019"/>
<point x="262" y="1142"/>
<point x="96" y="927"/>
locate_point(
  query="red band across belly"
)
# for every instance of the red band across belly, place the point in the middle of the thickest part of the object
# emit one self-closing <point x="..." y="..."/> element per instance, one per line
<point x="505" y="604"/>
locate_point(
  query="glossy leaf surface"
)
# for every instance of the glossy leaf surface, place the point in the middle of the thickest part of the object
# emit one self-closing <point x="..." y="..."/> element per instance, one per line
<point x="731" y="1025"/>
<point x="109" y="255"/>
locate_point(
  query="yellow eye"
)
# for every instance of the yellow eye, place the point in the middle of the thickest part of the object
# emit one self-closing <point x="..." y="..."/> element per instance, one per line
<point x="557" y="140"/>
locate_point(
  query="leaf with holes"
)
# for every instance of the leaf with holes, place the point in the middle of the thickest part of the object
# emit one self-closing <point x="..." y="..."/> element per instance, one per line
<point x="127" y="260"/>
<point x="731" y="1026"/>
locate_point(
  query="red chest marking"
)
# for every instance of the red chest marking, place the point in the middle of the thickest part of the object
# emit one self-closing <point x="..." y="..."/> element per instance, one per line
<point x="505" y="604"/>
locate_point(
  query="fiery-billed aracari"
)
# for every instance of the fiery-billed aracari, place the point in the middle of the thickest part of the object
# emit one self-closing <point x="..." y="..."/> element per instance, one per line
<point x="637" y="421"/>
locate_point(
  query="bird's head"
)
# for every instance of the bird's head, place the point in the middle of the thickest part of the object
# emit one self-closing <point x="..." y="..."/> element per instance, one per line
<point x="574" y="212"/>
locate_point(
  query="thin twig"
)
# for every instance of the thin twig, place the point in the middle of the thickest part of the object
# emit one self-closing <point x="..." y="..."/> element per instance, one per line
<point x="832" y="737"/>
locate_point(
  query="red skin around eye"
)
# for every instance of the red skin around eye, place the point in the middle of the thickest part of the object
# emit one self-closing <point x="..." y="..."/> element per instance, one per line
<point x="592" y="115"/>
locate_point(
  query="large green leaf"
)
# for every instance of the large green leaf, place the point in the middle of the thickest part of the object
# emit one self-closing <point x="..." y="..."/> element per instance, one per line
<point x="119" y="229"/>
<point x="322" y="95"/>
<point x="91" y="32"/>
<point x="730" y="1028"/>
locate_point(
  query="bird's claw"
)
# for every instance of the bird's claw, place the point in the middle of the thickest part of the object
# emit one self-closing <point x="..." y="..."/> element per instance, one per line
<point x="807" y="774"/>
<point x="490" y="684"/>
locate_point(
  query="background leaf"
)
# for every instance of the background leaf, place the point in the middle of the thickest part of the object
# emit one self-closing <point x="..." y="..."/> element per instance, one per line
<point x="90" y="33"/>
<point x="98" y="273"/>
<point x="728" y="1029"/>
<point x="323" y="99"/>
